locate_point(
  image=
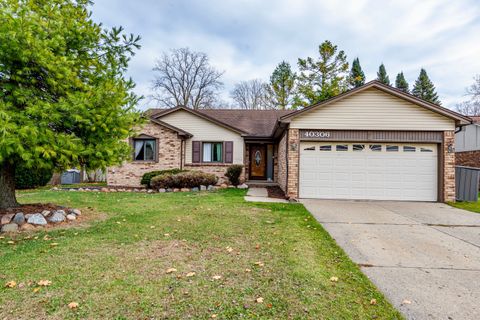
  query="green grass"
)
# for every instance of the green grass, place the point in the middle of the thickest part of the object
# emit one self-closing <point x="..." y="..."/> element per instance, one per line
<point x="115" y="268"/>
<point x="470" y="206"/>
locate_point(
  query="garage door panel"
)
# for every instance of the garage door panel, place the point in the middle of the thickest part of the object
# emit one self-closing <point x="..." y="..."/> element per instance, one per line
<point x="369" y="174"/>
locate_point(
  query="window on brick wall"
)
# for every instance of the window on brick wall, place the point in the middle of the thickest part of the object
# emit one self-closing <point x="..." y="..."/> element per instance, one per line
<point x="144" y="149"/>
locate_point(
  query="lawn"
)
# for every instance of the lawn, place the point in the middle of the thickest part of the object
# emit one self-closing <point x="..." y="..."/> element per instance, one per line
<point x="233" y="259"/>
<point x="470" y="206"/>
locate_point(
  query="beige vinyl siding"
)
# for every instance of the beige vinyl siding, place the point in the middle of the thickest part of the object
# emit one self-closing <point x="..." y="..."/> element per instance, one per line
<point x="373" y="109"/>
<point x="204" y="130"/>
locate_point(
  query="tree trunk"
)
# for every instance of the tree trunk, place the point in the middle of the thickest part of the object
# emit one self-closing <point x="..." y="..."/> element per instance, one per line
<point x="7" y="186"/>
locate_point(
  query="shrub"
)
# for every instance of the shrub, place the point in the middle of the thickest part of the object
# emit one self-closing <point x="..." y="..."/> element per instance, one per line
<point x="29" y="178"/>
<point x="189" y="179"/>
<point x="147" y="177"/>
<point x="233" y="174"/>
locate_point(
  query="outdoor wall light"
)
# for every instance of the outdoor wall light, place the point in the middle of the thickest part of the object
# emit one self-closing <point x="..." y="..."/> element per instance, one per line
<point x="451" y="148"/>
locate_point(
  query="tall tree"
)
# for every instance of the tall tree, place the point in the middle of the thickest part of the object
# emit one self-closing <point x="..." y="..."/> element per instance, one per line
<point x="282" y="85"/>
<point x="184" y="77"/>
<point x="356" y="77"/>
<point x="382" y="75"/>
<point x="323" y="78"/>
<point x="424" y="88"/>
<point x="471" y="107"/>
<point x="252" y="95"/>
<point x="64" y="97"/>
<point x="401" y="83"/>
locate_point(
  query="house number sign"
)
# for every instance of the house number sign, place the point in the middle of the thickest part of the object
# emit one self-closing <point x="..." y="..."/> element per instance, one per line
<point x="315" y="134"/>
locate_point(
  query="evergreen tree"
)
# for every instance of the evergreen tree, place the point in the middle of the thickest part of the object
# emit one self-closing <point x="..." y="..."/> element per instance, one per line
<point x="64" y="98"/>
<point x="424" y="88"/>
<point x="282" y="85"/>
<point x="323" y="78"/>
<point x="356" y="77"/>
<point x="382" y="75"/>
<point x="401" y="83"/>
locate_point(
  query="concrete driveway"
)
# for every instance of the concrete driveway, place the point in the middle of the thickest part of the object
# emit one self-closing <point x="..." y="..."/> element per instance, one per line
<point x="425" y="257"/>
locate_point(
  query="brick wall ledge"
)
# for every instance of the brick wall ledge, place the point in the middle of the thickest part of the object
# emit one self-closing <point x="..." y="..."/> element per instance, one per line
<point x="208" y="164"/>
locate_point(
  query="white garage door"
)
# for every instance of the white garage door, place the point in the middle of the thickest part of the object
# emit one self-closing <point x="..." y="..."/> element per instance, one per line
<point x="368" y="171"/>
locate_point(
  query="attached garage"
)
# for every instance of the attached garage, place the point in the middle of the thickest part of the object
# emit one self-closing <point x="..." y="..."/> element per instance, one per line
<point x="374" y="143"/>
<point x="376" y="171"/>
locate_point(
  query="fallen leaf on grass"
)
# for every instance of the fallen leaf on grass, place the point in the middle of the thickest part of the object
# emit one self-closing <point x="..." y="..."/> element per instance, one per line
<point x="248" y="270"/>
<point x="11" y="284"/>
<point x="259" y="263"/>
<point x="259" y="300"/>
<point x="171" y="270"/>
<point x="213" y="316"/>
<point x="217" y="277"/>
<point x="334" y="279"/>
<point x="190" y="274"/>
<point x="44" y="283"/>
<point x="53" y="244"/>
<point x="73" y="305"/>
<point x="257" y="246"/>
<point x="373" y="302"/>
<point x="229" y="249"/>
<point x="11" y="242"/>
<point x="35" y="290"/>
<point x="406" y="301"/>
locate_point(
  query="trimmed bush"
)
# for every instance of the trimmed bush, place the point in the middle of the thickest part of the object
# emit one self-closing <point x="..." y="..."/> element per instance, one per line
<point x="233" y="173"/>
<point x="189" y="179"/>
<point x="29" y="178"/>
<point x="147" y="177"/>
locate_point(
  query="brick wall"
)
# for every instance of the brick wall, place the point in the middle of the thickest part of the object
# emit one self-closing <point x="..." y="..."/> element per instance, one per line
<point x="448" y="167"/>
<point x="169" y="150"/>
<point x="282" y="163"/>
<point x="468" y="158"/>
<point x="217" y="169"/>
<point x="293" y="154"/>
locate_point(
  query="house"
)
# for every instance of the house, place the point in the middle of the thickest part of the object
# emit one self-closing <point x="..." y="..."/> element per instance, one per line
<point x="467" y="144"/>
<point x="373" y="142"/>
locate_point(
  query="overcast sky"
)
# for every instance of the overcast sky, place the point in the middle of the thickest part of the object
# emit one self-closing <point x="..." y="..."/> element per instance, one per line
<point x="247" y="39"/>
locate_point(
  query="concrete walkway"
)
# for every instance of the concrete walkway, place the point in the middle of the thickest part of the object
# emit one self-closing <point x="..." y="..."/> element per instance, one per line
<point x="261" y="195"/>
<point x="425" y="257"/>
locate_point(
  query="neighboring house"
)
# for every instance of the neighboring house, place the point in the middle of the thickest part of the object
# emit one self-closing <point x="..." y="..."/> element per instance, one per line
<point x="373" y="142"/>
<point x="467" y="144"/>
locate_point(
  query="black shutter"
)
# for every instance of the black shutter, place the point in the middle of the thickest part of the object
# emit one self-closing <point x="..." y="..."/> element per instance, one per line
<point x="228" y="151"/>
<point x="196" y="149"/>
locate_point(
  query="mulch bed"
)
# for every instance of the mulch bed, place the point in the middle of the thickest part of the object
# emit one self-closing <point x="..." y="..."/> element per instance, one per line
<point x="275" y="192"/>
<point x="32" y="208"/>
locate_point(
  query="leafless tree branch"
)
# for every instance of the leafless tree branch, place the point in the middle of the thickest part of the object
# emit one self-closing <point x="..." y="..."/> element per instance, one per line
<point x="253" y="94"/>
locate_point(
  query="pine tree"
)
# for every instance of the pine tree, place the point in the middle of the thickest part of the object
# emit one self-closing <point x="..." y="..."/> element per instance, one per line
<point x="424" y="88"/>
<point x="356" y="77"/>
<point x="282" y="85"/>
<point x="401" y="83"/>
<point x="382" y="75"/>
<point x="324" y="78"/>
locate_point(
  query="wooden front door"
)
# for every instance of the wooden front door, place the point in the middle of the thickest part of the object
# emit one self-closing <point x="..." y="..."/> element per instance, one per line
<point x="258" y="161"/>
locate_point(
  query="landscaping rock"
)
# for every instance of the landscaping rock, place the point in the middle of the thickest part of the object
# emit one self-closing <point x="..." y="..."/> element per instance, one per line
<point x="11" y="227"/>
<point x="169" y="190"/>
<point x="162" y="190"/>
<point x="37" y="219"/>
<point x="46" y="213"/>
<point x="242" y="186"/>
<point x="203" y="188"/>
<point x="185" y="190"/>
<point x="28" y="215"/>
<point x="71" y="217"/>
<point x="57" y="216"/>
<point x="195" y="189"/>
<point x="27" y="227"/>
<point x="19" y="218"/>
<point x="104" y="189"/>
<point x="210" y="188"/>
<point x="55" y="189"/>
<point x="150" y="191"/>
<point x="6" y="218"/>
<point x="176" y="190"/>
<point x="231" y="187"/>
<point x="76" y="212"/>
<point x="223" y="186"/>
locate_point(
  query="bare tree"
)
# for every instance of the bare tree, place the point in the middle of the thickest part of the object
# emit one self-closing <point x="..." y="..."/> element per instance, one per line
<point x="471" y="107"/>
<point x="253" y="94"/>
<point x="185" y="77"/>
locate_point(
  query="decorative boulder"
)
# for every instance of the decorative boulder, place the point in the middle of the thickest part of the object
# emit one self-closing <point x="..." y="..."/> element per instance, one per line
<point x="185" y="190"/>
<point x="19" y="218"/>
<point x="195" y="189"/>
<point x="210" y="188"/>
<point x="242" y="186"/>
<point x="223" y="186"/>
<point x="11" y="227"/>
<point x="162" y="190"/>
<point x="27" y="227"/>
<point x="71" y="217"/>
<point x="203" y="188"/>
<point x="6" y="218"/>
<point x="46" y="213"/>
<point x="76" y="212"/>
<point x="57" y="216"/>
<point x="37" y="219"/>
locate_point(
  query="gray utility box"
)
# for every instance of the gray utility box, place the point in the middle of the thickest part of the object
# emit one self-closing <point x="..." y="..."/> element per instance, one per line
<point x="467" y="183"/>
<point x="70" y="177"/>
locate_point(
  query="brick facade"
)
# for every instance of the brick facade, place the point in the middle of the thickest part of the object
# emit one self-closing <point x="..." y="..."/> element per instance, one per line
<point x="169" y="149"/>
<point x="448" y="167"/>
<point x="468" y="158"/>
<point x="293" y="157"/>
<point x="282" y="163"/>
